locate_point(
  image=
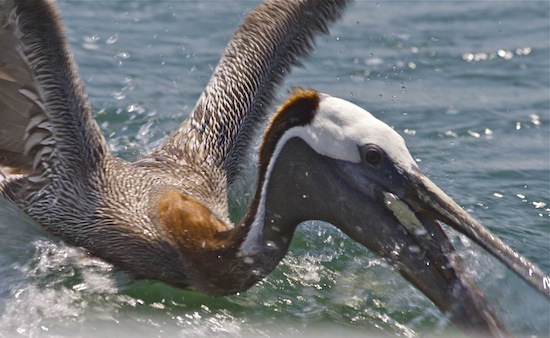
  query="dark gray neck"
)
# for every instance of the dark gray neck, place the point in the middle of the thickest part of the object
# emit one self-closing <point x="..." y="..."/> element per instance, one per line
<point x="287" y="197"/>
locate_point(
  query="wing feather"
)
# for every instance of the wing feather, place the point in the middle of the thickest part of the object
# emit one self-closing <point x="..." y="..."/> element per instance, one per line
<point x="44" y="110"/>
<point x="242" y="87"/>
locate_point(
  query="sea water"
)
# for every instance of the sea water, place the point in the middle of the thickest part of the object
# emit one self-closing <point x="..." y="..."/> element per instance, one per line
<point x="467" y="85"/>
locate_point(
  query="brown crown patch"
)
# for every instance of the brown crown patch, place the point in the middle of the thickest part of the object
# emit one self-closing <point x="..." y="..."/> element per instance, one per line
<point x="298" y="110"/>
<point x="192" y="225"/>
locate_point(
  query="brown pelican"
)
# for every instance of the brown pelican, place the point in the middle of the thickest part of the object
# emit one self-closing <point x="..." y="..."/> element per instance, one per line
<point x="165" y="217"/>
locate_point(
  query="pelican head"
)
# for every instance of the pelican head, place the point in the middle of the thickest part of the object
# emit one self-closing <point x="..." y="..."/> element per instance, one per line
<point x="324" y="158"/>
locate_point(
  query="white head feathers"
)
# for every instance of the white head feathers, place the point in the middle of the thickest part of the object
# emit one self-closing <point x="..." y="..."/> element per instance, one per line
<point x="340" y="127"/>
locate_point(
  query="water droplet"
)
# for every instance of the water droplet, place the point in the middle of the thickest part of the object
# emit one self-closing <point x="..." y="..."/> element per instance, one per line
<point x="270" y="244"/>
<point x="451" y="133"/>
<point x="468" y="57"/>
<point x="123" y="55"/>
<point x="535" y="119"/>
<point x="119" y="96"/>
<point x="112" y="39"/>
<point x="414" y="249"/>
<point x="505" y="54"/>
<point x="473" y="133"/>
<point x="523" y="51"/>
<point x="420" y="231"/>
<point x="539" y="205"/>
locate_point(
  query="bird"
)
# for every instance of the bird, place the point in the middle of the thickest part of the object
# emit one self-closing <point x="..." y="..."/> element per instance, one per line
<point x="165" y="216"/>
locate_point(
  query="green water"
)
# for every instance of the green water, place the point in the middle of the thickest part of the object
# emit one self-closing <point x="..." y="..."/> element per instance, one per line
<point x="466" y="84"/>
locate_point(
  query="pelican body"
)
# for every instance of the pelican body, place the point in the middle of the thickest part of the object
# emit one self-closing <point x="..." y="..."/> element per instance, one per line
<point x="165" y="217"/>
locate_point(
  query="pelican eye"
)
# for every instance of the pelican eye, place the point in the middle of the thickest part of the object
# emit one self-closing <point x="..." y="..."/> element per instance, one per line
<point x="372" y="154"/>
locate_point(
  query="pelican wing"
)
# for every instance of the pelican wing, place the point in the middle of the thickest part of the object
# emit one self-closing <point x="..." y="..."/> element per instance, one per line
<point x="242" y="87"/>
<point x="46" y="125"/>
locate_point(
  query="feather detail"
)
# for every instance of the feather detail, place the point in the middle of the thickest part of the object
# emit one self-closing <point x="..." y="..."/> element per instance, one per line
<point x="240" y="92"/>
<point x="43" y="102"/>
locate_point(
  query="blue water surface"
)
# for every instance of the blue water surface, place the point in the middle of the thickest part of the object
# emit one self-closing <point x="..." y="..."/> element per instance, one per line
<point x="467" y="83"/>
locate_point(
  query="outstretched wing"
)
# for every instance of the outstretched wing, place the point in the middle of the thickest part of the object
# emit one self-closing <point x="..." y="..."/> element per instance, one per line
<point x="242" y="87"/>
<point x="46" y="124"/>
